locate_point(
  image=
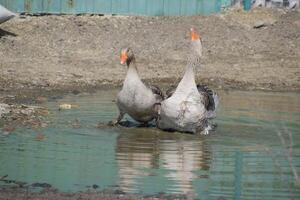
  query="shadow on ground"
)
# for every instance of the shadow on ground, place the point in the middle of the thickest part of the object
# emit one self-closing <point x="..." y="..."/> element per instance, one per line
<point x="5" y="33"/>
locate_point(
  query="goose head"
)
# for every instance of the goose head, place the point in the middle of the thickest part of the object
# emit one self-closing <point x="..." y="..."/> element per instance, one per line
<point x="126" y="56"/>
<point x="196" y="41"/>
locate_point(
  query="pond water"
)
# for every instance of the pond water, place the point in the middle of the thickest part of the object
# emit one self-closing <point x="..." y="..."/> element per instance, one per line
<point x="243" y="159"/>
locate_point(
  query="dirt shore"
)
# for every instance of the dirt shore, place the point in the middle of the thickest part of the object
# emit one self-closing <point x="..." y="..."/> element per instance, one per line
<point x="255" y="50"/>
<point x="53" y="194"/>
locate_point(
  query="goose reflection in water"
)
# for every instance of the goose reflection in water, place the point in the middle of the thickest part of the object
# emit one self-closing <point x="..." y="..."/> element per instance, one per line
<point x="142" y="157"/>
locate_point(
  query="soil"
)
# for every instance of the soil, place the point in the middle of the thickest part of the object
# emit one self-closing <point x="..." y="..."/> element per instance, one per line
<point x="259" y="49"/>
<point x="53" y="194"/>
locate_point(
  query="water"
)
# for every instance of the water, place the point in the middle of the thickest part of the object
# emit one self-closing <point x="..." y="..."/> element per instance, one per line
<point x="243" y="159"/>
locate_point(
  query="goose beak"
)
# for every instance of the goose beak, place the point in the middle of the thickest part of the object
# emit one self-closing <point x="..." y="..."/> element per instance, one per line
<point x="123" y="57"/>
<point x="194" y="35"/>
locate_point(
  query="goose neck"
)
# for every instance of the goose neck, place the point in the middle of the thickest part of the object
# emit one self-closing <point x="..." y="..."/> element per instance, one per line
<point x="132" y="66"/>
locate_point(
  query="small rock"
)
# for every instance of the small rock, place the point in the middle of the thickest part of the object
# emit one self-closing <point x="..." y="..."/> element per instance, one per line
<point x="7" y="129"/>
<point x="65" y="106"/>
<point x="297" y="23"/>
<point x="259" y="24"/>
<point x="3" y="177"/>
<point x="119" y="192"/>
<point x="27" y="111"/>
<point x="40" y="137"/>
<point x="44" y="125"/>
<point x="76" y="124"/>
<point x="75" y="92"/>
<point x="95" y="186"/>
<point x="42" y="185"/>
<point x="4" y="109"/>
<point x="41" y="99"/>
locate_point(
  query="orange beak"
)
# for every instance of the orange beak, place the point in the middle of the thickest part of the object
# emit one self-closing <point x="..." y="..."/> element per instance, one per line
<point x="194" y="35"/>
<point x="123" y="57"/>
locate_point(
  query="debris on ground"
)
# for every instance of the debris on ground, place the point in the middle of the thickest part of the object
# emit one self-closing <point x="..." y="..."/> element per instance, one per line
<point x="41" y="185"/>
<point x="40" y="137"/>
<point x="66" y="106"/>
<point x="259" y="24"/>
<point x="50" y="193"/>
<point x="4" y="109"/>
<point x="41" y="99"/>
<point x="76" y="124"/>
<point x="16" y="115"/>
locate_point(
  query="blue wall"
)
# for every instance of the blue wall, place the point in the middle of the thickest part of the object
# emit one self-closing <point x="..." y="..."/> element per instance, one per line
<point x="128" y="7"/>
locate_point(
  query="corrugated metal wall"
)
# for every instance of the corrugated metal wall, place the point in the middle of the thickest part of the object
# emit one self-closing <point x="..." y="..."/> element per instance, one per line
<point x="128" y="7"/>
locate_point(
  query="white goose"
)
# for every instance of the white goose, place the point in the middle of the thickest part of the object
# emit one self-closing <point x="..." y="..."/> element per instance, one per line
<point x="5" y="14"/>
<point x="135" y="98"/>
<point x="190" y="106"/>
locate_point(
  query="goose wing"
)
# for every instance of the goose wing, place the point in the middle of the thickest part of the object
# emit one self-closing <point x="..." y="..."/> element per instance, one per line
<point x="210" y="97"/>
<point x="207" y="94"/>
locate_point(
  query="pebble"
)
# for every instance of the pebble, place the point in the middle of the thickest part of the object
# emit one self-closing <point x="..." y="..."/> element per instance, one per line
<point x="65" y="106"/>
<point x="40" y="137"/>
<point x="259" y="24"/>
<point x="42" y="185"/>
<point x="27" y="111"/>
<point x="95" y="186"/>
<point x="4" y="109"/>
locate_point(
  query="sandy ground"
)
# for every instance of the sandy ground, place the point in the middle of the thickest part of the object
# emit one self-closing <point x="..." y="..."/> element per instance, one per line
<point x="75" y="52"/>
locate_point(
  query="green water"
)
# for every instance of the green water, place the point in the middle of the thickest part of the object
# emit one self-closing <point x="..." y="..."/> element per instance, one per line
<point x="242" y="159"/>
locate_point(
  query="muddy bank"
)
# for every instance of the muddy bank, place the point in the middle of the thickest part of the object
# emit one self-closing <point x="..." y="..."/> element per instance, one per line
<point x="255" y="50"/>
<point x="13" y="116"/>
<point x="53" y="194"/>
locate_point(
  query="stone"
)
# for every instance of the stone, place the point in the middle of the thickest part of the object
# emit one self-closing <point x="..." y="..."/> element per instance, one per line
<point x="4" y="109"/>
<point x="259" y="24"/>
